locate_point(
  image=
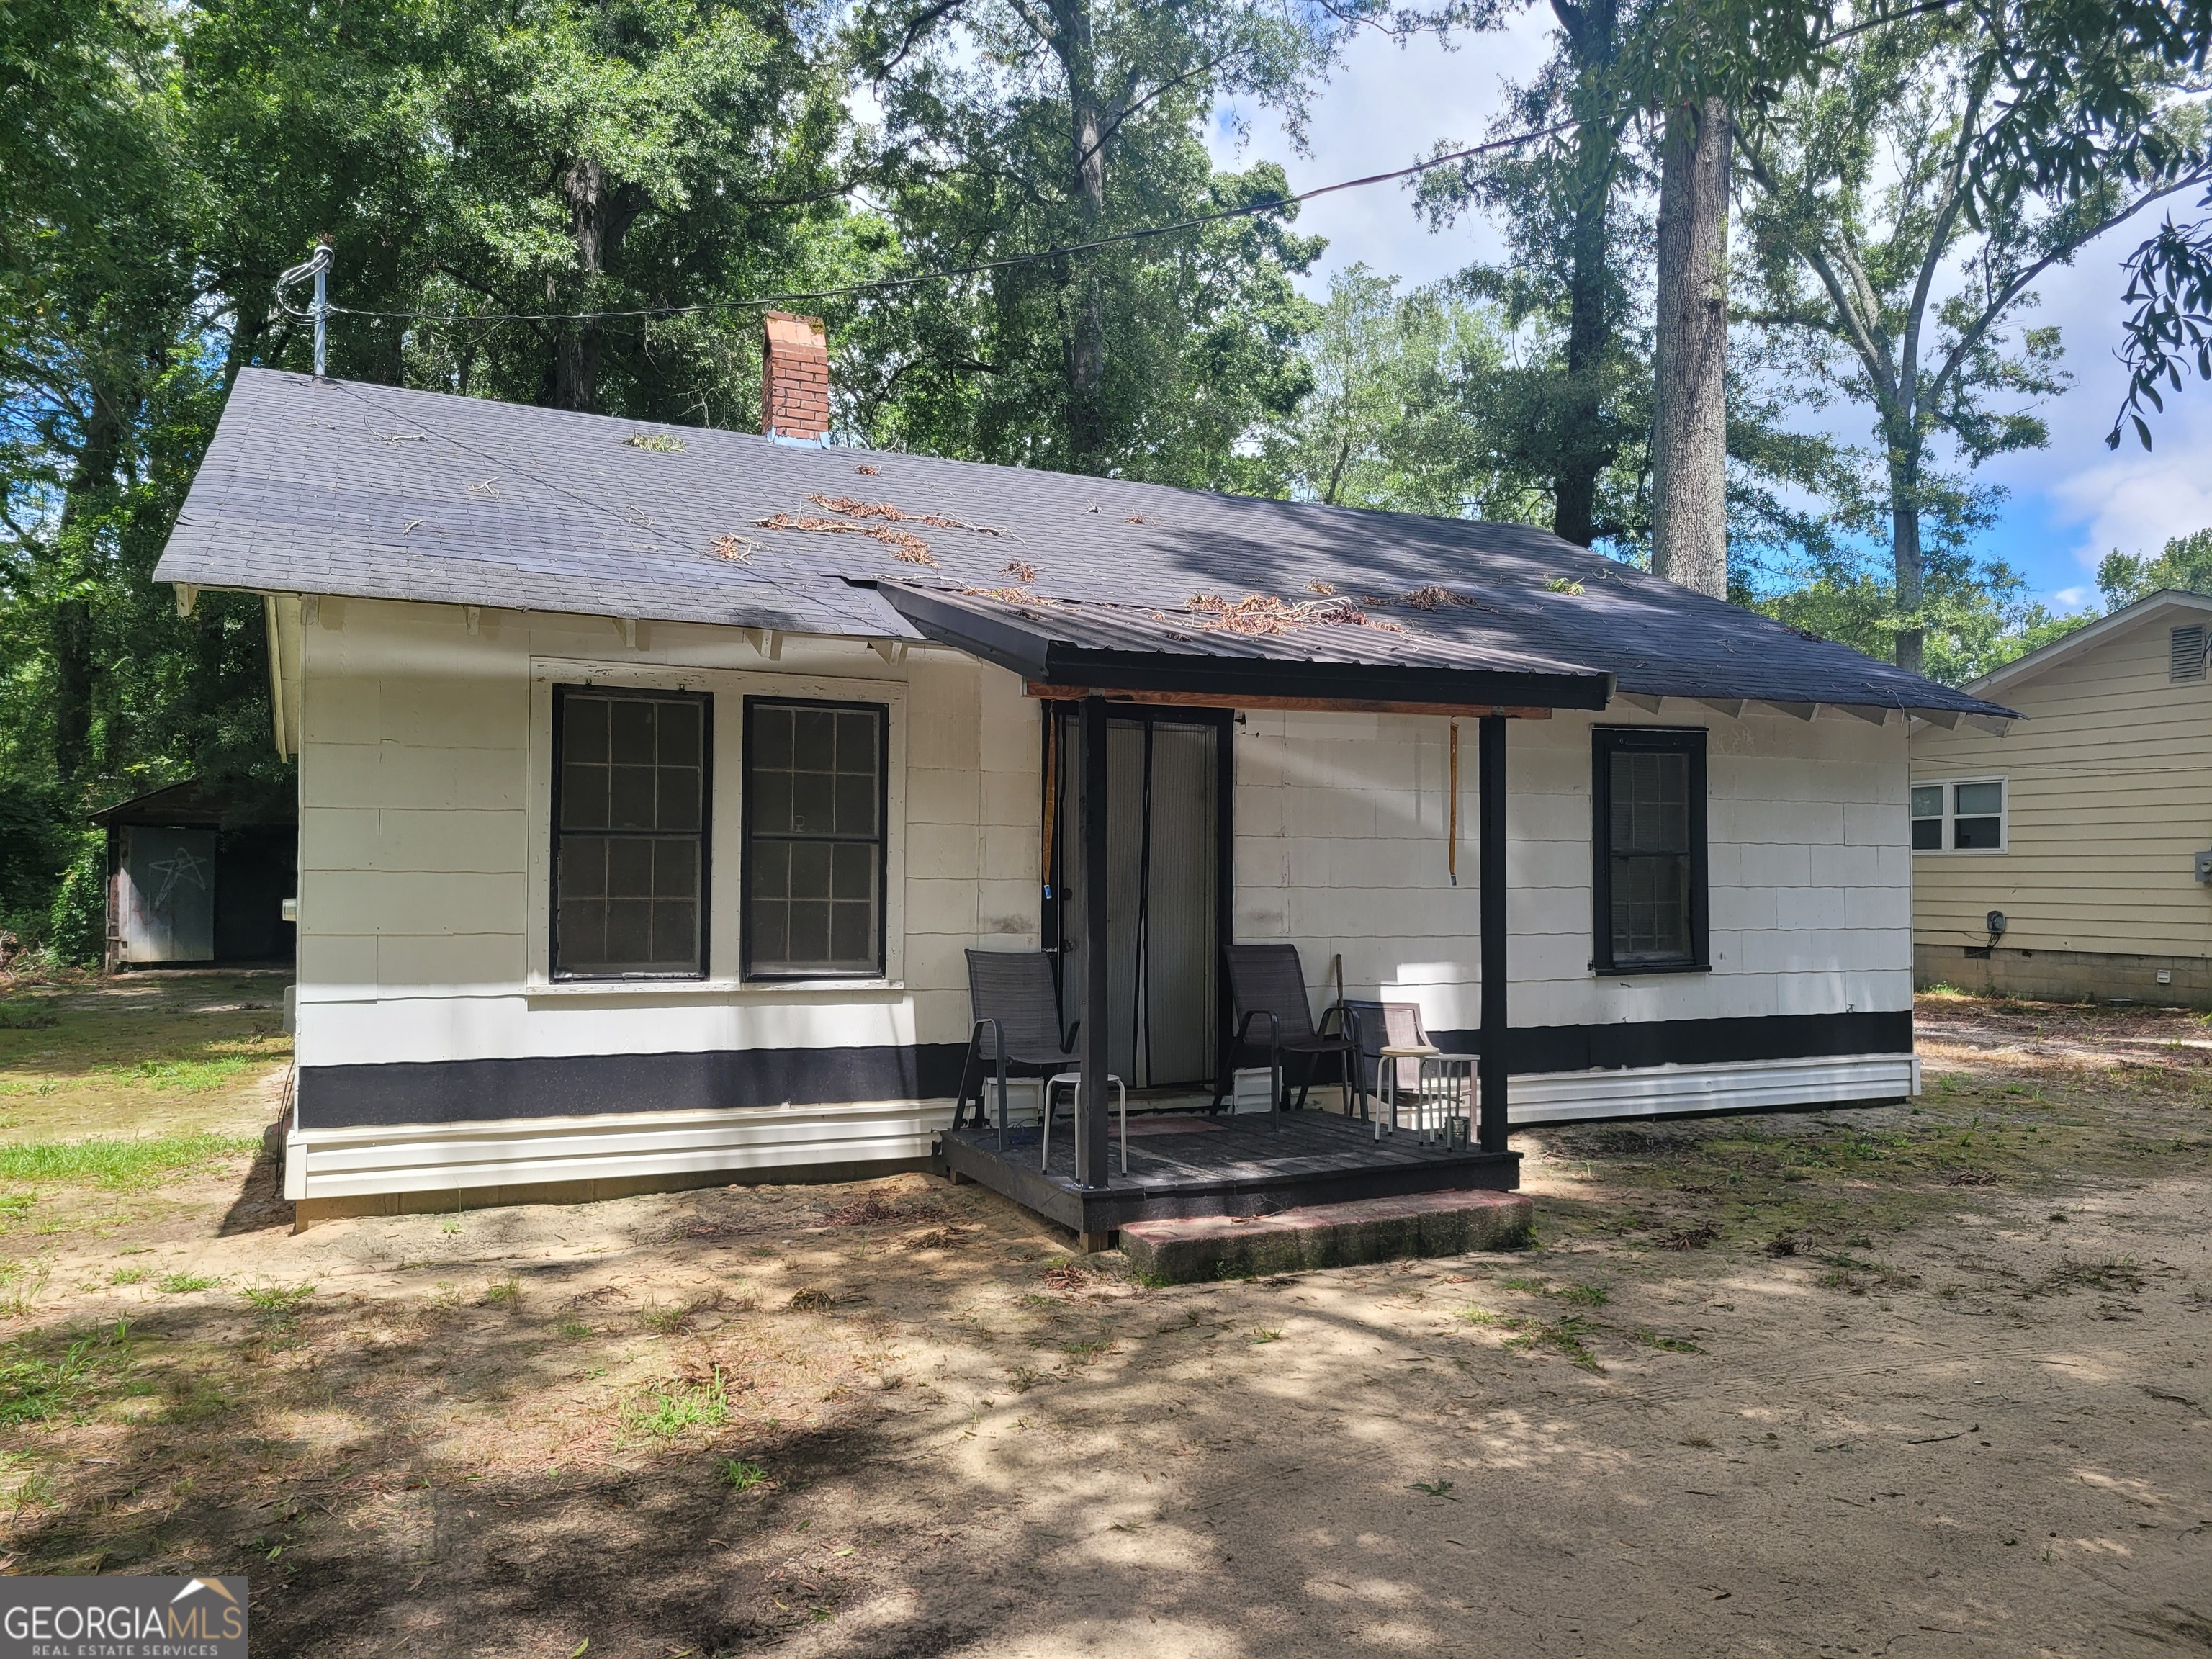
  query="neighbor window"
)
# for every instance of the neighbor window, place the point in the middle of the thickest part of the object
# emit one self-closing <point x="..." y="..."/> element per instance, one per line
<point x="629" y="833"/>
<point x="1648" y="863"/>
<point x="1965" y="817"/>
<point x="814" y="839"/>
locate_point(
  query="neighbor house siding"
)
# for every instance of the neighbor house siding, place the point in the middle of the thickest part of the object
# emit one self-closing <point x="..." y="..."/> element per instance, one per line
<point x="2109" y="781"/>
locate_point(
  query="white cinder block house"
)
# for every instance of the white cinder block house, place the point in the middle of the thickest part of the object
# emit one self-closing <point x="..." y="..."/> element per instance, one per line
<point x="654" y="783"/>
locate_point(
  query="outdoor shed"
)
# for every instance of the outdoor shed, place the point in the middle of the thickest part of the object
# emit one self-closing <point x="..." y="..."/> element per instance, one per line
<point x="2072" y="860"/>
<point x="654" y="783"/>
<point x="199" y="874"/>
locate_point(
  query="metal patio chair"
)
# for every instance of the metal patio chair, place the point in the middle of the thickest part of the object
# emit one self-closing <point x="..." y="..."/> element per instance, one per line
<point x="1268" y="983"/>
<point x="1389" y="1025"/>
<point x="1015" y="1005"/>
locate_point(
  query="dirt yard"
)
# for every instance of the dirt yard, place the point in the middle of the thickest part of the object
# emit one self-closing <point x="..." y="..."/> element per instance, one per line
<point x="1931" y="1379"/>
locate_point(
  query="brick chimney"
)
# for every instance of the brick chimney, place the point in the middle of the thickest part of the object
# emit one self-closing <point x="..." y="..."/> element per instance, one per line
<point x="794" y="377"/>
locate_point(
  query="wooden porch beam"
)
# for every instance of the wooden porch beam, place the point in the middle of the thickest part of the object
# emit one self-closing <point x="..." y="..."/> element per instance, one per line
<point x="1091" y="1141"/>
<point x="1303" y="705"/>
<point x="1490" y="863"/>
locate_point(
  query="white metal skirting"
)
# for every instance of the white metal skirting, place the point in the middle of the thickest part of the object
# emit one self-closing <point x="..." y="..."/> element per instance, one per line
<point x="356" y="1163"/>
<point x="1736" y="1086"/>
<point x="353" y="1163"/>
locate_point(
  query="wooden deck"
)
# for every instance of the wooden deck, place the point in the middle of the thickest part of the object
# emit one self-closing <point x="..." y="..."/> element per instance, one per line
<point x="1190" y="1165"/>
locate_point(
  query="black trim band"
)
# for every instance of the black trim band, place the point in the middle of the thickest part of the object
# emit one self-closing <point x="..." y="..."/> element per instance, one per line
<point x="1627" y="1045"/>
<point x="576" y="1085"/>
<point x="481" y="1090"/>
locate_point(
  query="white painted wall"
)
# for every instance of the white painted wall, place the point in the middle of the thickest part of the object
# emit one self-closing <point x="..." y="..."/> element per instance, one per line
<point x="423" y="800"/>
<point x="1342" y="843"/>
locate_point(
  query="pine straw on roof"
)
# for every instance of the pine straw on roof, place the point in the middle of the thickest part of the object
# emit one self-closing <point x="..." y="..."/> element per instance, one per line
<point x="853" y="507"/>
<point x="1264" y="615"/>
<point x="904" y="545"/>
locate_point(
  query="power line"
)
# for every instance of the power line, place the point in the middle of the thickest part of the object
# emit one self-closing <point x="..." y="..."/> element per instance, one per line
<point x="891" y="284"/>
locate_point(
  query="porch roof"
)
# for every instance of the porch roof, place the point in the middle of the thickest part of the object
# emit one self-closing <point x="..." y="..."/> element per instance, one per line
<point x="1320" y="650"/>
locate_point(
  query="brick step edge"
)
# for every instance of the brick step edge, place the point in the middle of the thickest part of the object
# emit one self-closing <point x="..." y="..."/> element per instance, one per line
<point x="1189" y="1249"/>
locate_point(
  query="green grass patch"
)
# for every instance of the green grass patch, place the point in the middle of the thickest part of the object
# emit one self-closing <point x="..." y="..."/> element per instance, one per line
<point x="667" y="1412"/>
<point x="36" y="1387"/>
<point x="184" y="1284"/>
<point x="118" y="1164"/>
<point x="192" y="1076"/>
<point x="129" y="1275"/>
<point x="276" y="1302"/>
<point x="739" y="1475"/>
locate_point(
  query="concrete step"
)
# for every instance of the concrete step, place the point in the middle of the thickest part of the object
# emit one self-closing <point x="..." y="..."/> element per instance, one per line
<point x="1188" y="1250"/>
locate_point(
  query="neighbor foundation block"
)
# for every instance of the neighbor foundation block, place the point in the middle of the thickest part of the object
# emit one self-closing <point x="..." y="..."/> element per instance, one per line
<point x="1182" y="1252"/>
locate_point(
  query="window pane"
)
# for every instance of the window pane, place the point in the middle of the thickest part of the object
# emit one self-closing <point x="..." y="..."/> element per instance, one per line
<point x="1927" y="835"/>
<point x="680" y="727"/>
<point x="856" y="744"/>
<point x="809" y="869"/>
<point x="584" y="732"/>
<point x="772" y="738"/>
<point x="810" y="931"/>
<point x="676" y="869"/>
<point x="1980" y="798"/>
<point x="675" y="932"/>
<point x="771" y="940"/>
<point x="853" y="871"/>
<point x="1928" y="800"/>
<point x="630" y="730"/>
<point x="629" y="933"/>
<point x="852" y="933"/>
<point x="856" y="805"/>
<point x="1976" y="834"/>
<point x="629" y="798"/>
<point x="1651" y="857"/>
<point x="583" y="867"/>
<point x="814" y="739"/>
<point x="583" y="796"/>
<point x="771" y="861"/>
<point x="771" y="801"/>
<point x="679" y="806"/>
<point x="813" y="802"/>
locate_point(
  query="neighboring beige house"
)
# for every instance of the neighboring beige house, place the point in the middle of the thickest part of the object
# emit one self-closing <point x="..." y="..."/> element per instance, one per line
<point x="2068" y="858"/>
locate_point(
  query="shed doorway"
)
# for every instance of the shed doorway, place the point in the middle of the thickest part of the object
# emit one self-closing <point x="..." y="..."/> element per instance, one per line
<point x="1165" y="886"/>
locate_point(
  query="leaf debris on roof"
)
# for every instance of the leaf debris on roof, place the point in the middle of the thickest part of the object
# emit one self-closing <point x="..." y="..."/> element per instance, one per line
<point x="1263" y="614"/>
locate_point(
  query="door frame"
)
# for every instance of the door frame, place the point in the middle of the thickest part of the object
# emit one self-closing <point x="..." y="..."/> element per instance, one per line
<point x="1052" y="764"/>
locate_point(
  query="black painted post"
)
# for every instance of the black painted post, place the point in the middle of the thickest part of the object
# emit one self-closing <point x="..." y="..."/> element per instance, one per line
<point x="1090" y="1113"/>
<point x="1490" y="788"/>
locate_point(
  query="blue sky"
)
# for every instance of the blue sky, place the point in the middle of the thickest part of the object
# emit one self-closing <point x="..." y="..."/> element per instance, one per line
<point x="2069" y="505"/>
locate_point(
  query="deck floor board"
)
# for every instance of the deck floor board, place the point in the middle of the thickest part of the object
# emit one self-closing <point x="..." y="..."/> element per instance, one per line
<point x="1248" y="1165"/>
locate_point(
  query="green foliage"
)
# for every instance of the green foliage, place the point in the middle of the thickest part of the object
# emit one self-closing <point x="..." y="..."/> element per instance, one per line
<point x="77" y="926"/>
<point x="739" y="1475"/>
<point x="1975" y="616"/>
<point x="2185" y="563"/>
<point x="1403" y="412"/>
<point x="667" y="1412"/>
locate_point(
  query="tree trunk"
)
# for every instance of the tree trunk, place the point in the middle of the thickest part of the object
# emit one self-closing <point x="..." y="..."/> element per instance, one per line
<point x="1689" y="427"/>
<point x="1087" y="435"/>
<point x="600" y="211"/>
<point x="71" y="632"/>
<point x="1592" y="44"/>
<point x="1905" y="549"/>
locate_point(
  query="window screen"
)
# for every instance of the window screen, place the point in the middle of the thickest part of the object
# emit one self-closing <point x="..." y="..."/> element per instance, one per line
<point x="1649" y="794"/>
<point x="2185" y="649"/>
<point x="814" y="839"/>
<point x="629" y="834"/>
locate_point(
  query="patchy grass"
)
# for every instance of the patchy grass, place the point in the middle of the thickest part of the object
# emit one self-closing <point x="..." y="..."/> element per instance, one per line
<point x="37" y="1386"/>
<point x="118" y="1165"/>
<point x="738" y="1475"/>
<point x="675" y="1409"/>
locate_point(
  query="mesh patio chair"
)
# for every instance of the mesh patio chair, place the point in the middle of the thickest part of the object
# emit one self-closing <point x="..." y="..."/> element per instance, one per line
<point x="1015" y="1005"/>
<point x="1389" y="1025"/>
<point x="1267" y="985"/>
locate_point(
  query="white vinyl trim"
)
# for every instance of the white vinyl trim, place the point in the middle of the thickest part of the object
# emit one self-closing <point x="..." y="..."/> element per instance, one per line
<point x="423" y="1158"/>
<point x="1736" y="1086"/>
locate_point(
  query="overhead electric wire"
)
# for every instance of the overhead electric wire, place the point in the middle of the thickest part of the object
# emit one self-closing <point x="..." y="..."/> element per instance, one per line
<point x="886" y="284"/>
<point x="914" y="279"/>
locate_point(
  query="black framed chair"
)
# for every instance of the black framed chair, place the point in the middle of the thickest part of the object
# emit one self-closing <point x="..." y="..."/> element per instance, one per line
<point x="1267" y="986"/>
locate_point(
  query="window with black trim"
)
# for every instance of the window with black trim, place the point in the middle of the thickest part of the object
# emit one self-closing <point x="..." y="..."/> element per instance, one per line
<point x="1648" y="790"/>
<point x="814" y="781"/>
<point x="630" y="792"/>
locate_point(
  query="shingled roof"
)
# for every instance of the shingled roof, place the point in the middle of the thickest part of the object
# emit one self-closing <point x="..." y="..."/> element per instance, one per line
<point x="342" y="488"/>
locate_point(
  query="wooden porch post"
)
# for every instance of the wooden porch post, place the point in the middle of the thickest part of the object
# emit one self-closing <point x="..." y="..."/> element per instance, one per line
<point x="1091" y="1107"/>
<point x="1490" y="795"/>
